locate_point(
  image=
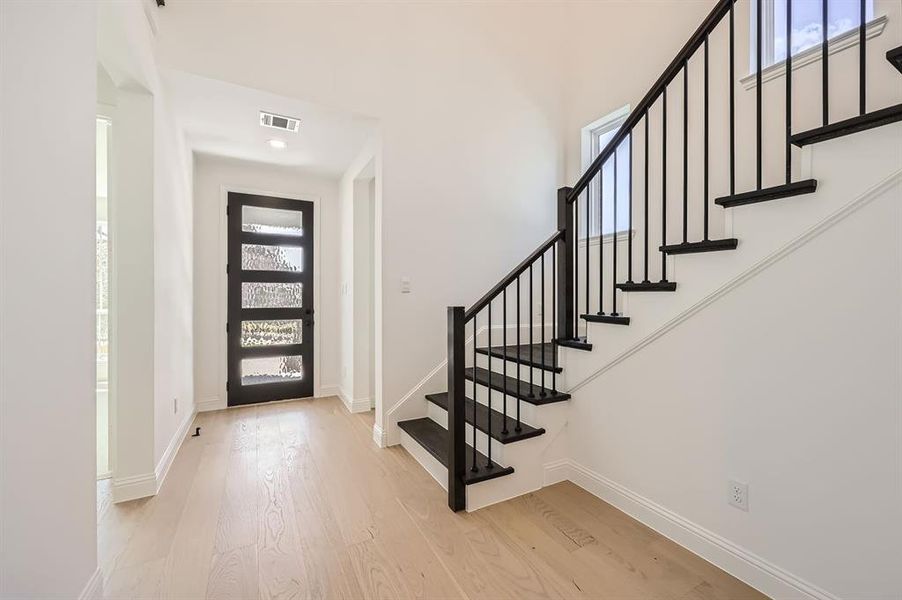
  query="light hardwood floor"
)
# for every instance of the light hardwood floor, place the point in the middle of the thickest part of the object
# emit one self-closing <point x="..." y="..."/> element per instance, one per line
<point x="294" y="500"/>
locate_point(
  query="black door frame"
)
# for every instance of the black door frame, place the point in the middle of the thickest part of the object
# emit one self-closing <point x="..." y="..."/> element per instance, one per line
<point x="237" y="393"/>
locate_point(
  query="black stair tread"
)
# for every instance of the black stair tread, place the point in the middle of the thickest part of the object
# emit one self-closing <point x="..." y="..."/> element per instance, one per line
<point x="517" y="388"/>
<point x="703" y="246"/>
<point x="527" y="354"/>
<point x="797" y="188"/>
<point x="894" y="56"/>
<point x="577" y="343"/>
<point x="647" y="286"/>
<point x="610" y="319"/>
<point x="434" y="439"/>
<point x="482" y="412"/>
<point x="878" y="118"/>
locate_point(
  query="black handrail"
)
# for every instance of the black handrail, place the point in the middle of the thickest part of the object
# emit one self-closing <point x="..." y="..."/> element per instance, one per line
<point x="676" y="65"/>
<point x="512" y="276"/>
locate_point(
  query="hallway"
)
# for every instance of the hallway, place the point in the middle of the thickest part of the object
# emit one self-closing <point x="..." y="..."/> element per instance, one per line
<point x="293" y="500"/>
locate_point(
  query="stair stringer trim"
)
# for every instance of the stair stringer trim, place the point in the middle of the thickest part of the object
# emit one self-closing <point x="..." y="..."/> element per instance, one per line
<point x="787" y="249"/>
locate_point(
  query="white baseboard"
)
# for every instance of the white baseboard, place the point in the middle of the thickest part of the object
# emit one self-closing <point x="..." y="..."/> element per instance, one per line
<point x="736" y="560"/>
<point x="354" y="405"/>
<point x="173" y="448"/>
<point x="134" y="487"/>
<point x="93" y="590"/>
<point x="379" y="436"/>
<point x="324" y="391"/>
<point x="148" y="484"/>
<point x="211" y="404"/>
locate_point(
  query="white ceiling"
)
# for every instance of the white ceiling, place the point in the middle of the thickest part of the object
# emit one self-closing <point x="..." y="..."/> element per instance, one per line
<point x="223" y="119"/>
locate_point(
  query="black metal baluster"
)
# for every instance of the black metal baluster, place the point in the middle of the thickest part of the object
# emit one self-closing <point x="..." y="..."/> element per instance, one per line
<point x="788" y="91"/>
<point x="862" y="57"/>
<point x="554" y="317"/>
<point x="475" y="466"/>
<point x="542" y="316"/>
<point x="645" y="214"/>
<point x="575" y="272"/>
<point x="758" y="100"/>
<point x="629" y="229"/>
<point x="519" y="350"/>
<point x="504" y="354"/>
<point x="532" y="359"/>
<point x="601" y="240"/>
<point x="488" y="439"/>
<point x="614" y="238"/>
<point x="664" y="188"/>
<point x="705" y="193"/>
<point x="825" y="73"/>
<point x="733" y="103"/>
<point x="686" y="151"/>
<point x="588" y="202"/>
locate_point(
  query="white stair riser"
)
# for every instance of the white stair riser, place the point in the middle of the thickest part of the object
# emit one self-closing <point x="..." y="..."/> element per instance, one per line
<point x="498" y="367"/>
<point x="422" y="456"/>
<point x="503" y="454"/>
<point x="480" y="494"/>
<point x="529" y="413"/>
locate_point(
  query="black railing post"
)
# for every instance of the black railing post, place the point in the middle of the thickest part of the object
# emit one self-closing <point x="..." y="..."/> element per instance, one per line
<point x="565" y="252"/>
<point x="457" y="460"/>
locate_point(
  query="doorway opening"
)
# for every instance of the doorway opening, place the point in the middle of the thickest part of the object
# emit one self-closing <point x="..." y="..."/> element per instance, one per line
<point x="363" y="287"/>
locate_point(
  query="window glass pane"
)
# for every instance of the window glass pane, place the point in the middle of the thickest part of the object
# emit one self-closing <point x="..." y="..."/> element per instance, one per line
<point x="807" y="22"/>
<point x="274" y="369"/>
<point x="271" y="333"/>
<point x="255" y="257"/>
<point x="255" y="294"/>
<point x="605" y="185"/>
<point x="257" y="219"/>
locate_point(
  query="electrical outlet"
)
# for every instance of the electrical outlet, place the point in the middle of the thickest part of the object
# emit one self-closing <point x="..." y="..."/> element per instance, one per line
<point x="175" y="405"/>
<point x="405" y="285"/>
<point x="738" y="495"/>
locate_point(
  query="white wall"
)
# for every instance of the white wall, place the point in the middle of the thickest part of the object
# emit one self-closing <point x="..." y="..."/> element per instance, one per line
<point x="152" y="257"/>
<point x="361" y="321"/>
<point x="48" y="66"/>
<point x="790" y="382"/>
<point x="211" y="176"/>
<point x="132" y="293"/>
<point x="362" y="290"/>
<point x="173" y="282"/>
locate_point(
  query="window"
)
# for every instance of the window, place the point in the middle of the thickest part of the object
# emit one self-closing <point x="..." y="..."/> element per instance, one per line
<point x="102" y="295"/>
<point x="807" y="25"/>
<point x="594" y="139"/>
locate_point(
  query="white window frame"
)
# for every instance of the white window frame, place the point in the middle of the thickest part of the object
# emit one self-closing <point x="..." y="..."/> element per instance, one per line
<point x="590" y="136"/>
<point x="873" y="27"/>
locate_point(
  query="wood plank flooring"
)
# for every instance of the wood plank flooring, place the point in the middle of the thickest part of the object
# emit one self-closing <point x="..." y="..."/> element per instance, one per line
<point x="293" y="500"/>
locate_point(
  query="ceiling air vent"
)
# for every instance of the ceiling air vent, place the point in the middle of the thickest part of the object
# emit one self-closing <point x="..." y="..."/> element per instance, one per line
<point x="279" y="122"/>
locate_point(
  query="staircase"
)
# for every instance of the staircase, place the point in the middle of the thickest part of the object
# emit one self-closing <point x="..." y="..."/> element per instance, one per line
<point x="485" y="437"/>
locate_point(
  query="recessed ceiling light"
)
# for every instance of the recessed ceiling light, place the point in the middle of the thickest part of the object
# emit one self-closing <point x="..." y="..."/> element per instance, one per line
<point x="280" y="144"/>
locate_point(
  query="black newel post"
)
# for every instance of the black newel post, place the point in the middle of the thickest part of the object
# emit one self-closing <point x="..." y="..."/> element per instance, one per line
<point x="566" y="248"/>
<point x="457" y="460"/>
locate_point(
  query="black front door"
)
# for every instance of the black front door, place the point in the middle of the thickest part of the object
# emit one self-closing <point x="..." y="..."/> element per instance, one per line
<point x="270" y="322"/>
